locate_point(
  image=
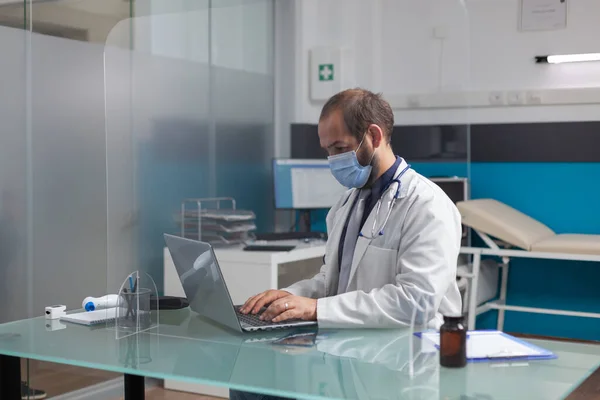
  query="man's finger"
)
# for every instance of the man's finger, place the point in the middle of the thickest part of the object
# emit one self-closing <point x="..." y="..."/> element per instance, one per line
<point x="247" y="303"/>
<point x="250" y="302"/>
<point x="289" y="314"/>
<point x="268" y="298"/>
<point x="255" y="300"/>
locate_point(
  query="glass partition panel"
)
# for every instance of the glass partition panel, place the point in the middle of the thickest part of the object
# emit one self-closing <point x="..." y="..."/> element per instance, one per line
<point x="157" y="130"/>
<point x="429" y="68"/>
<point x="242" y="104"/>
<point x="67" y="186"/>
<point x="189" y="114"/>
<point x="15" y="229"/>
<point x="52" y="164"/>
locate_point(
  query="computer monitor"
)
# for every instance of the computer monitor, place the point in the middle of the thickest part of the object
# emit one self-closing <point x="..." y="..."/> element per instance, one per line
<point x="455" y="187"/>
<point x="304" y="184"/>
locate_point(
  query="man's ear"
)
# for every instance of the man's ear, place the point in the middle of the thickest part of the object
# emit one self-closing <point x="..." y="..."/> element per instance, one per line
<point x="377" y="137"/>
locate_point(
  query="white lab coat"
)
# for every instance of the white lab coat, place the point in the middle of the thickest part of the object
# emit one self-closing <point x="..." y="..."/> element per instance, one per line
<point x="412" y="263"/>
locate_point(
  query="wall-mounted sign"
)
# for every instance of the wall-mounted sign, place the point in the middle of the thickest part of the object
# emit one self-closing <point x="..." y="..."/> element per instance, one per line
<point x="543" y="15"/>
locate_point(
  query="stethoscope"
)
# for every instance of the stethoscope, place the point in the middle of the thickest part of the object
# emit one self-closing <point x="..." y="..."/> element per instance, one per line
<point x="374" y="229"/>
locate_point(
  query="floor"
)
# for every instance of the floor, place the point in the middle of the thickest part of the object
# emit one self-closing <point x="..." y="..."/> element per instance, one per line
<point x="162" y="394"/>
<point x="56" y="379"/>
<point x="589" y="389"/>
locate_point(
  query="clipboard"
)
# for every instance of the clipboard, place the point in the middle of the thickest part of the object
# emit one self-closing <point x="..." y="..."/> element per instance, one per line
<point x="492" y="345"/>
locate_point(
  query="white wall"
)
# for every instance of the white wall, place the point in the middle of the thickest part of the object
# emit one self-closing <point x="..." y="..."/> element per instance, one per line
<point x="395" y="52"/>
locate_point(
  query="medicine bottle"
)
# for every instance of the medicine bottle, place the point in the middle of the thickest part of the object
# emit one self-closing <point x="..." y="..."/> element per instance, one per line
<point x="453" y="342"/>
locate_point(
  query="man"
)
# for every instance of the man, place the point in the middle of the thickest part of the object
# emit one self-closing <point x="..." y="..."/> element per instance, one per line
<point x="381" y="271"/>
<point x="377" y="274"/>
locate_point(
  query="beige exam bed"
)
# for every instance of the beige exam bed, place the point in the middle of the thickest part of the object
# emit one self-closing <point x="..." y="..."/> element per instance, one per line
<point x="517" y="235"/>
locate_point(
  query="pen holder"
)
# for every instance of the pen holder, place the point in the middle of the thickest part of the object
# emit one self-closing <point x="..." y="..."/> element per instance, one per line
<point x="134" y="310"/>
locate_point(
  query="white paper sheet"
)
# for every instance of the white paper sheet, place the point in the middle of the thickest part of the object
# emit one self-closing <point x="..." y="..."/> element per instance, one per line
<point x="538" y="15"/>
<point x="92" y="317"/>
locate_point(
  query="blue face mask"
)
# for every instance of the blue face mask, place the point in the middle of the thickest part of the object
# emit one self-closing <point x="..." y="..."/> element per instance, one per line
<point x="348" y="171"/>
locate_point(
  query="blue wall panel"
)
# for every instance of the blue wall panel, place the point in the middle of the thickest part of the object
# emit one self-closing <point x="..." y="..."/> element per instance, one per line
<point x="566" y="197"/>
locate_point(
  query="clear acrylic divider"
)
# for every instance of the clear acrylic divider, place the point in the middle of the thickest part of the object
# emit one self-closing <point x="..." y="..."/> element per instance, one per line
<point x="137" y="305"/>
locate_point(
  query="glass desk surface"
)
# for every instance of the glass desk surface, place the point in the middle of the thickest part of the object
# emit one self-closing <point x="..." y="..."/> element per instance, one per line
<point x="343" y="364"/>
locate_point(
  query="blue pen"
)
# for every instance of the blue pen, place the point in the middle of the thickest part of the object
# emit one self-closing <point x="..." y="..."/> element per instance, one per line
<point x="131" y="284"/>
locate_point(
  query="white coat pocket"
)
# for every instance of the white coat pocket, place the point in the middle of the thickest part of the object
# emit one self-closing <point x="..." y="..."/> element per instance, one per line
<point x="377" y="268"/>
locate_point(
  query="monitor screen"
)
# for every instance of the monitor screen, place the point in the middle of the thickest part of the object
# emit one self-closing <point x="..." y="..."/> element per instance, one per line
<point x="305" y="184"/>
<point x="455" y="188"/>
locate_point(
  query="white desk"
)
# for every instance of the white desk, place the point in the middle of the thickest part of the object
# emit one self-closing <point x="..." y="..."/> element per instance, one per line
<point x="247" y="273"/>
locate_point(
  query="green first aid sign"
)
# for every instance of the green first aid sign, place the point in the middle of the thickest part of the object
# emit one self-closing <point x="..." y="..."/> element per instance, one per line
<point x="326" y="72"/>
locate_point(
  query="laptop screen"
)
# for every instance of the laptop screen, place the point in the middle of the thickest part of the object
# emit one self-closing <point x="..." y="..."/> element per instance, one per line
<point x="202" y="280"/>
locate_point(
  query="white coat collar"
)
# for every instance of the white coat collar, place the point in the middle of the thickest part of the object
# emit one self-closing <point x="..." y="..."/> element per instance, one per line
<point x="404" y="179"/>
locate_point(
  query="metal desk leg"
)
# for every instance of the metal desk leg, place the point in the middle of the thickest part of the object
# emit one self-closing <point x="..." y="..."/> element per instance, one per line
<point x="10" y="378"/>
<point x="135" y="387"/>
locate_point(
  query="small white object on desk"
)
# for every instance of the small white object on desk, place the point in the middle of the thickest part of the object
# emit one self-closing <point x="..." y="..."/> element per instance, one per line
<point x="55" y="312"/>
<point x="93" y="303"/>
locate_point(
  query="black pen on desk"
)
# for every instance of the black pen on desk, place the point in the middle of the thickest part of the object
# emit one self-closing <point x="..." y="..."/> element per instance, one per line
<point x="135" y="285"/>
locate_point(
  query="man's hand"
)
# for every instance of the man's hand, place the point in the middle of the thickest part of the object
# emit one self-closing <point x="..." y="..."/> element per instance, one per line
<point x="291" y="307"/>
<point x="254" y="304"/>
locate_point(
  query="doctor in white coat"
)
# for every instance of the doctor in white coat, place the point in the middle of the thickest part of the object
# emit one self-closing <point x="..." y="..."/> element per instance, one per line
<point x="394" y="237"/>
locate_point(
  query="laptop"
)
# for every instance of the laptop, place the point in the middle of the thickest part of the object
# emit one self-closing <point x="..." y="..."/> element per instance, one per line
<point x="205" y="288"/>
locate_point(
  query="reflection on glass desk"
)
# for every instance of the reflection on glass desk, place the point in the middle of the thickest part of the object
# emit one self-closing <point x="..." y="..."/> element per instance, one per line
<point x="334" y="364"/>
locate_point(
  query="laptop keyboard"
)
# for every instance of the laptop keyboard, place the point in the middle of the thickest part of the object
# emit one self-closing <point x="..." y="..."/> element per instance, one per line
<point x="254" y="319"/>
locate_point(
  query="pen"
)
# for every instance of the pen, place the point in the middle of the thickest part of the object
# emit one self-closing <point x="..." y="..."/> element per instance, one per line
<point x="131" y="284"/>
<point x="135" y="286"/>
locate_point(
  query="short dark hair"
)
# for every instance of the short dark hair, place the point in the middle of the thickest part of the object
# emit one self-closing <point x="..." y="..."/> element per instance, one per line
<point x="361" y="108"/>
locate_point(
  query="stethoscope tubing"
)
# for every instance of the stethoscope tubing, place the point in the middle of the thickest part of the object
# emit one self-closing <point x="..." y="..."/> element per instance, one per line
<point x="379" y="232"/>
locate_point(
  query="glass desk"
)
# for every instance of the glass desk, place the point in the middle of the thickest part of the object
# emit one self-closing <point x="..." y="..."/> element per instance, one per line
<point x="380" y="364"/>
